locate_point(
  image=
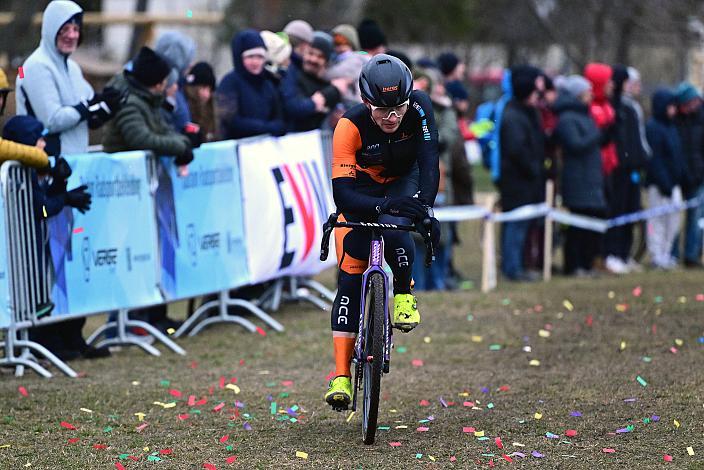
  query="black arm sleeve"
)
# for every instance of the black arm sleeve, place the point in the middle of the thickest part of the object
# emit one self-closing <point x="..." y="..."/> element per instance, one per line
<point x="349" y="200"/>
<point x="428" y="152"/>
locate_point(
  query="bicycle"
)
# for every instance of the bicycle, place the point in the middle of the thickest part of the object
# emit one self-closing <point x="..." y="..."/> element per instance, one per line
<point x="372" y="351"/>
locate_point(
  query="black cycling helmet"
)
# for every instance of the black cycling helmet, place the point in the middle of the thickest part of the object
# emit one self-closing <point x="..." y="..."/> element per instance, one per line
<point x="385" y="81"/>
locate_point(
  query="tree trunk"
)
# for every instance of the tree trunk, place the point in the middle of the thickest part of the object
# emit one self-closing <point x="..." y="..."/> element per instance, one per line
<point x="139" y="31"/>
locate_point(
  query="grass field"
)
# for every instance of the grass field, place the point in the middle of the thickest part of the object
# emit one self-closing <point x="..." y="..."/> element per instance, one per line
<point x="533" y="360"/>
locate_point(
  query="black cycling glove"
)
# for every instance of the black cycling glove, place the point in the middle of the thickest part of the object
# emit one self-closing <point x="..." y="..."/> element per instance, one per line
<point x="403" y="206"/>
<point x="59" y="173"/>
<point x="104" y="105"/>
<point x="79" y="198"/>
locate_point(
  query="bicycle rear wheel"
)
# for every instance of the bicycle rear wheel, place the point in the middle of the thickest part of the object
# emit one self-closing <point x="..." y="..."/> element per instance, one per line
<point x="373" y="358"/>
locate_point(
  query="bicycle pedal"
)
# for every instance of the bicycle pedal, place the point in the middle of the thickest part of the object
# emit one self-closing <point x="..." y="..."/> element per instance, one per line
<point x="339" y="408"/>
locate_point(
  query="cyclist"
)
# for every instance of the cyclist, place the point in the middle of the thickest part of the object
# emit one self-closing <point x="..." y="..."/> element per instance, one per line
<point x="385" y="169"/>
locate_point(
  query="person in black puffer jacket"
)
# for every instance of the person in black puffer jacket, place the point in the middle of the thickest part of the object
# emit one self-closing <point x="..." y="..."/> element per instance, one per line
<point x="667" y="171"/>
<point x="623" y="185"/>
<point x="522" y="165"/>
<point x="582" y="179"/>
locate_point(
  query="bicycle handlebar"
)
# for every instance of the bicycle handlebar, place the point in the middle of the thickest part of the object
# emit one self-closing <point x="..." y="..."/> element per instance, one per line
<point x="333" y="223"/>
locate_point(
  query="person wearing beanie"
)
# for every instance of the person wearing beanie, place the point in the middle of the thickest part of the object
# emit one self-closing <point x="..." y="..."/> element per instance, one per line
<point x="247" y="99"/>
<point x="453" y="71"/>
<point x="348" y="63"/>
<point x="345" y="38"/>
<point x="522" y="178"/>
<point x="666" y="175"/>
<point x="53" y="88"/>
<point x="372" y="39"/>
<point x="623" y="185"/>
<point x="690" y="126"/>
<point x="582" y="182"/>
<point x="199" y="88"/>
<point x="139" y="125"/>
<point x="310" y="97"/>
<point x="300" y="35"/>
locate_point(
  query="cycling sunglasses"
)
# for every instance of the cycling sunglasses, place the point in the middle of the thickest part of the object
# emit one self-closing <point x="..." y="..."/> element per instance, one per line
<point x="380" y="112"/>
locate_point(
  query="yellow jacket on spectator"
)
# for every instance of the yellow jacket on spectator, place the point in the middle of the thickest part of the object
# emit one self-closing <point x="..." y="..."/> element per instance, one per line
<point x="26" y="154"/>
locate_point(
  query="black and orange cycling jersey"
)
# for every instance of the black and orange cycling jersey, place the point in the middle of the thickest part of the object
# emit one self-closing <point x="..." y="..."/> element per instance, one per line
<point x="365" y="156"/>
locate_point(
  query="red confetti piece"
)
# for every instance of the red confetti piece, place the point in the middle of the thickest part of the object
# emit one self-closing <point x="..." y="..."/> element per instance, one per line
<point x="667" y="458"/>
<point x="468" y="429"/>
<point x="20" y="71"/>
<point x="673" y="350"/>
<point x="184" y="416"/>
<point x="166" y="451"/>
<point x="141" y="427"/>
<point x="570" y="433"/>
<point x="287" y="383"/>
<point x="23" y="391"/>
<point x="699" y="297"/>
<point x="637" y="291"/>
<point x="417" y="363"/>
<point x="507" y="458"/>
<point x="260" y="331"/>
<point x="468" y="403"/>
<point x="504" y="388"/>
<point x="231" y="459"/>
<point x="209" y="466"/>
<point x="608" y="451"/>
<point x="224" y="438"/>
<point x="73" y="440"/>
<point x="175" y="393"/>
<point x="499" y="444"/>
<point x="99" y="446"/>
<point x="395" y="444"/>
<point x="453" y="459"/>
<point x="424" y="403"/>
<point x="66" y="425"/>
<point x="330" y="376"/>
<point x="194" y="365"/>
<point x="233" y="380"/>
<point x="202" y="402"/>
<point x="119" y="466"/>
<point x="191" y="400"/>
<point x="654" y="328"/>
<point x="78" y="230"/>
<point x="423" y="429"/>
<point x="589" y="321"/>
<point x="220" y="406"/>
<point x="210" y="390"/>
<point x="133" y="458"/>
<point x="222" y="381"/>
<point x="241" y="362"/>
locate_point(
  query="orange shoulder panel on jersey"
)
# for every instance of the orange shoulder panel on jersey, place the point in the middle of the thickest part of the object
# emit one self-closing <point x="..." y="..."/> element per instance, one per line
<point x="345" y="143"/>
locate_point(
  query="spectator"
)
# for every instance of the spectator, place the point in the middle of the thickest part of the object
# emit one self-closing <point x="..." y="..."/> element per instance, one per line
<point x="348" y="62"/>
<point x="522" y="172"/>
<point x="53" y="88"/>
<point x="139" y="125"/>
<point x="247" y="101"/>
<point x="624" y="183"/>
<point x="199" y="89"/>
<point x="666" y="173"/>
<point x="603" y="113"/>
<point x="49" y="199"/>
<point x="488" y="118"/>
<point x="372" y="39"/>
<point x="631" y="94"/>
<point x="453" y="71"/>
<point x="300" y="35"/>
<point x="690" y="125"/>
<point x="582" y="180"/>
<point x="309" y="99"/>
<point x="278" y="52"/>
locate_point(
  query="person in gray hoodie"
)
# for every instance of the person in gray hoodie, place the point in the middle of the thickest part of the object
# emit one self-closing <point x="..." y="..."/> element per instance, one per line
<point x="582" y="179"/>
<point x="179" y="51"/>
<point x="53" y="89"/>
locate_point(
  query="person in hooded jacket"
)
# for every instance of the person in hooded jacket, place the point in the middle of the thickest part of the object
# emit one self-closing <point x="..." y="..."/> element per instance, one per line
<point x="179" y="51"/>
<point x="666" y="174"/>
<point x="582" y="185"/>
<point x="624" y="183"/>
<point x="247" y="100"/>
<point x="690" y="125"/>
<point x="53" y="89"/>
<point x="602" y="112"/>
<point x="522" y="178"/>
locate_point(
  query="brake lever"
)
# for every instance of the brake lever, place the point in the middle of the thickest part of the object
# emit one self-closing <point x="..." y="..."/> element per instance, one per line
<point x="328" y="226"/>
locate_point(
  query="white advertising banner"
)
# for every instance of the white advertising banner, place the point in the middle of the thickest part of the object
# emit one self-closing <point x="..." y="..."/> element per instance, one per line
<point x="286" y="198"/>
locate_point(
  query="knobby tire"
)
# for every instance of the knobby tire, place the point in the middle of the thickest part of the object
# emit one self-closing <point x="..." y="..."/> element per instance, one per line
<point x="373" y="346"/>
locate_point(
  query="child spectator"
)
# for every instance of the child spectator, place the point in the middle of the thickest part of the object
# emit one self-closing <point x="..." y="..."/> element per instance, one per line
<point x="199" y="88"/>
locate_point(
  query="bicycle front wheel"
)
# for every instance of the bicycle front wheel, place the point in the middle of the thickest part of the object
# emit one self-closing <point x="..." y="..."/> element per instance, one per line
<point x="373" y="355"/>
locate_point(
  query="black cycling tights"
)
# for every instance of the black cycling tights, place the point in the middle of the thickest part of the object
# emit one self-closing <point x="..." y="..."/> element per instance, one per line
<point x="399" y="252"/>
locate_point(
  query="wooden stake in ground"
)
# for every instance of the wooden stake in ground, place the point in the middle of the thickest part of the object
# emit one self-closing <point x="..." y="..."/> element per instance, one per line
<point x="489" y="249"/>
<point x="547" y="242"/>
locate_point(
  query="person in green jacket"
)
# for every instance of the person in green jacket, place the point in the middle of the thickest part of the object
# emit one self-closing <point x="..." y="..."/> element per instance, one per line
<point x="139" y="124"/>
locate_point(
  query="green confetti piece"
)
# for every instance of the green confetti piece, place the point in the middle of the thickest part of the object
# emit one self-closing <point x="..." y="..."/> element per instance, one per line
<point x="294" y="407"/>
<point x="383" y="428"/>
<point x="247" y="415"/>
<point x="490" y="406"/>
<point x="647" y="359"/>
<point x="272" y="409"/>
<point x="229" y="448"/>
<point x="195" y="411"/>
<point x="506" y="302"/>
<point x="419" y="456"/>
<point x="641" y="381"/>
<point x="123" y="456"/>
<point x="165" y="383"/>
<point x="282" y="418"/>
<point x="231" y="425"/>
<point x="402" y="349"/>
<point x="293" y="420"/>
<point x="495" y="347"/>
<point x="424" y="421"/>
<point x="646" y="420"/>
<point x="630" y="427"/>
<point x="270" y="384"/>
<point x="470" y="317"/>
<point x="488" y="455"/>
<point x="107" y="429"/>
<point x="113" y="417"/>
<point x="153" y="458"/>
<point x="283" y="395"/>
<point x="658" y="299"/>
<point x="483" y="438"/>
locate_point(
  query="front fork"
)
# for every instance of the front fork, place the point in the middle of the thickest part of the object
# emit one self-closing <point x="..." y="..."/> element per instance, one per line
<point x="358" y="358"/>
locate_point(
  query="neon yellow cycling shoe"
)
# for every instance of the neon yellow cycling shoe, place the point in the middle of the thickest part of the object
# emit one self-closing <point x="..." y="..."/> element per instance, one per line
<point x="406" y="315"/>
<point x="339" y="394"/>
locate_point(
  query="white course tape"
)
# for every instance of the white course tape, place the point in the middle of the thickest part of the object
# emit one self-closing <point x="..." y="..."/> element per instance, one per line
<point x="458" y="213"/>
<point x="531" y="211"/>
<point x="581" y="221"/>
